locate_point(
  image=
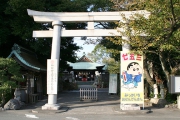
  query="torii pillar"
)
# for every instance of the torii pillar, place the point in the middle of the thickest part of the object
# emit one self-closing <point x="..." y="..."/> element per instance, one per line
<point x="56" y="18"/>
<point x="55" y="53"/>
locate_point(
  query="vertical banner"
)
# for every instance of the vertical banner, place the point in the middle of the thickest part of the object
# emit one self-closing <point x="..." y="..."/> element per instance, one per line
<point x="52" y="75"/>
<point x="132" y="82"/>
<point x="112" y="83"/>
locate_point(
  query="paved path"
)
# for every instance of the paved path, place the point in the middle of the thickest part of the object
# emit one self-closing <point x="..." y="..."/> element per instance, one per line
<point x="106" y="106"/>
<point x="70" y="103"/>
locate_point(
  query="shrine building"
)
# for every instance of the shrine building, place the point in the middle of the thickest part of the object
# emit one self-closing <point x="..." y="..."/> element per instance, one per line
<point x="85" y="69"/>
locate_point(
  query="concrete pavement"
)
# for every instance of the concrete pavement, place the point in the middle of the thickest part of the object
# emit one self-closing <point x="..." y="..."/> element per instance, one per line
<point x="106" y="105"/>
<point x="70" y="102"/>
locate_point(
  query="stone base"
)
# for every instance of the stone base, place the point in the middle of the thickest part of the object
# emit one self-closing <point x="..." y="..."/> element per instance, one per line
<point x="156" y="102"/>
<point x="51" y="107"/>
<point x="130" y="107"/>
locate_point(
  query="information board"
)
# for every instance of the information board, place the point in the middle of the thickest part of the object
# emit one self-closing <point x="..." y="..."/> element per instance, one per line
<point x="52" y="75"/>
<point x="112" y="83"/>
<point x="177" y="84"/>
<point x="174" y="84"/>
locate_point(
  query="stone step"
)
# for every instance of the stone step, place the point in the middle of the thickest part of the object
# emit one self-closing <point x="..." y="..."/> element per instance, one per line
<point x="85" y="86"/>
<point x="84" y="82"/>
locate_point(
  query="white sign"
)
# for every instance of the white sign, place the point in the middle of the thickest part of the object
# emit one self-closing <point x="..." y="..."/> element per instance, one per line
<point x="177" y="84"/>
<point x="113" y="83"/>
<point x="52" y="75"/>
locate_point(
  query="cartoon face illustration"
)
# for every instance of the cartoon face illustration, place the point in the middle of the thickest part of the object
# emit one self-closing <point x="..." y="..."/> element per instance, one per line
<point x="132" y="76"/>
<point x="134" y="69"/>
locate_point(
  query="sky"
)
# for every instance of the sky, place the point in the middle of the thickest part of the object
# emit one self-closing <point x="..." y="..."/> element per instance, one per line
<point x="87" y="48"/>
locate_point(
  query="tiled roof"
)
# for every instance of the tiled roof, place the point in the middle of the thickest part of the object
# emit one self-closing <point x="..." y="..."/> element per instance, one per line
<point x="84" y="65"/>
<point x="84" y="59"/>
<point x="26" y="58"/>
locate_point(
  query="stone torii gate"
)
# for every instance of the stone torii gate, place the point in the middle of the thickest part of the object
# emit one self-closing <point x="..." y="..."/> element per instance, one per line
<point x="57" y="19"/>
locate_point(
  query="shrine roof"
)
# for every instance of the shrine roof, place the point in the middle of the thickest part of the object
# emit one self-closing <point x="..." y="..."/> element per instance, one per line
<point x="84" y="59"/>
<point x="84" y="65"/>
<point x="26" y="58"/>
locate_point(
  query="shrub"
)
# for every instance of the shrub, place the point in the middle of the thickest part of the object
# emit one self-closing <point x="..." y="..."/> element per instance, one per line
<point x="171" y="98"/>
<point x="9" y="77"/>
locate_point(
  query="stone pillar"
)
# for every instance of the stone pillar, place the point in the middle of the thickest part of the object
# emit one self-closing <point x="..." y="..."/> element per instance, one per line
<point x="162" y="91"/>
<point x="125" y="46"/>
<point x="178" y="101"/>
<point x="155" y="91"/>
<point x="17" y="94"/>
<point x="55" y="53"/>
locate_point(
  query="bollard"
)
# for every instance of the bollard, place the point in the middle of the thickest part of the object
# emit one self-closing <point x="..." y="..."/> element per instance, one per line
<point x="162" y="91"/>
<point x="178" y="101"/>
<point x="155" y="91"/>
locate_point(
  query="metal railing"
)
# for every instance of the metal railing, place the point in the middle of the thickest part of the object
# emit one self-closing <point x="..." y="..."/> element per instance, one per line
<point x="88" y="94"/>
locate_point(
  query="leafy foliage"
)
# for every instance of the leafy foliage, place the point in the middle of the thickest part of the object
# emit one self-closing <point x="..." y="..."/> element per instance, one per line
<point x="17" y="27"/>
<point x="158" y="36"/>
<point x="103" y="56"/>
<point x="9" y="76"/>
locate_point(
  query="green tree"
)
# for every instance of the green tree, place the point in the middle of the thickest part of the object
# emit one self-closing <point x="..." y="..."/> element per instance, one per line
<point x="99" y="54"/>
<point x="18" y="26"/>
<point x="163" y="34"/>
<point x="103" y="56"/>
<point x="9" y="78"/>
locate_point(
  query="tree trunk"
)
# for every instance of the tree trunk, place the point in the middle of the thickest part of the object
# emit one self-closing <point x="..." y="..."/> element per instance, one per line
<point x="164" y="67"/>
<point x="146" y="72"/>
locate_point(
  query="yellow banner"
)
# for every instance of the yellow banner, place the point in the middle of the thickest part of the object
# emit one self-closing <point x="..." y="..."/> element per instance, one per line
<point x="132" y="97"/>
<point x="132" y="81"/>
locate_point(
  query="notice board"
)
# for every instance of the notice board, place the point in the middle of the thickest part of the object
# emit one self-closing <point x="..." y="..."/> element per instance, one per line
<point x="52" y="76"/>
<point x="112" y="83"/>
